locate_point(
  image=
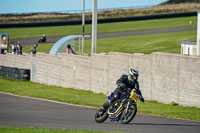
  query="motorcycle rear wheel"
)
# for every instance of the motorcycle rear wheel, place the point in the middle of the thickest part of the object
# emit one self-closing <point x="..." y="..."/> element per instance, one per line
<point x="101" y="118"/>
<point x="126" y="118"/>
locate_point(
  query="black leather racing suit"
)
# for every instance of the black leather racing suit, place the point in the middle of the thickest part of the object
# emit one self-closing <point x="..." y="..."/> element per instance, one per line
<point x="124" y="85"/>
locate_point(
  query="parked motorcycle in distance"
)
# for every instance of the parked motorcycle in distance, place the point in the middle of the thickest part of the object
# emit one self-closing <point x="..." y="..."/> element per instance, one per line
<point x="123" y="110"/>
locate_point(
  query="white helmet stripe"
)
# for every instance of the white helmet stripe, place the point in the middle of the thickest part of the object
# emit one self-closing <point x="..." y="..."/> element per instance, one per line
<point x="133" y="72"/>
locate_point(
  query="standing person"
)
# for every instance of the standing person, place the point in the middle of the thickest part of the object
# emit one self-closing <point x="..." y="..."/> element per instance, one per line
<point x="19" y="48"/>
<point x="13" y="48"/>
<point x="69" y="50"/>
<point x="33" y="49"/>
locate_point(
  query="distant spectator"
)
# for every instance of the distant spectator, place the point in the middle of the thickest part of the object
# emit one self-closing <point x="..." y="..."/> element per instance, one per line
<point x="2" y="51"/>
<point x="13" y="48"/>
<point x="33" y="49"/>
<point x="69" y="50"/>
<point x="19" y="48"/>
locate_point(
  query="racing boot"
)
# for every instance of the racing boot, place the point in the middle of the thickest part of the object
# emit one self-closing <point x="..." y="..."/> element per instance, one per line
<point x="104" y="107"/>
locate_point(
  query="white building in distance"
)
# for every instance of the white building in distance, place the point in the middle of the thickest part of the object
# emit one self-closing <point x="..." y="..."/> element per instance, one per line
<point x="192" y="48"/>
<point x="188" y="48"/>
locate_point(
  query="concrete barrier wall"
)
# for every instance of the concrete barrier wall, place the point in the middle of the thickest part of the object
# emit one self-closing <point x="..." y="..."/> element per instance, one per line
<point x="189" y="81"/>
<point x="176" y="78"/>
<point x="163" y="77"/>
<point x="21" y="61"/>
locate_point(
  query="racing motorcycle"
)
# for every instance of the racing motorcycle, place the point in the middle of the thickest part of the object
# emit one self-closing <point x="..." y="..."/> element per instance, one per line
<point x="123" y="110"/>
<point x="42" y="39"/>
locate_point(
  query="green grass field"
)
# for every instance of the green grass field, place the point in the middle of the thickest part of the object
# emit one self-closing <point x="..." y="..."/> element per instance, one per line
<point x="89" y="98"/>
<point x="40" y="130"/>
<point x="166" y="42"/>
<point x="42" y="47"/>
<point x="102" y="28"/>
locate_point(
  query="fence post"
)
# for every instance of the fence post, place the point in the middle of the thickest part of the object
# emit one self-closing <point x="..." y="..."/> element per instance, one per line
<point x="33" y="73"/>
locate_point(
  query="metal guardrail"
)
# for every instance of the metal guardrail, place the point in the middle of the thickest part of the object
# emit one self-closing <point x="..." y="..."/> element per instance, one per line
<point x="15" y="73"/>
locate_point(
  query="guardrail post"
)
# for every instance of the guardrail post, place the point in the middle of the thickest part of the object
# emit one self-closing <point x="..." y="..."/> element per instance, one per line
<point x="33" y="73"/>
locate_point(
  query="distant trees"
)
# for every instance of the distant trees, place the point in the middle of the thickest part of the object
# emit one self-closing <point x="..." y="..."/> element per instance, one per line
<point x="180" y="1"/>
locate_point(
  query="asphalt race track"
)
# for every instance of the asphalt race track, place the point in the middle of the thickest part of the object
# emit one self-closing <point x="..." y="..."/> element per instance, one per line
<point x="29" y="41"/>
<point x="31" y="112"/>
<point x="26" y="112"/>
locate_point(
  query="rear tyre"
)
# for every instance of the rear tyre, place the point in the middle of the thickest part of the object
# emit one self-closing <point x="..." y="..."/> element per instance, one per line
<point x="128" y="117"/>
<point x="101" y="117"/>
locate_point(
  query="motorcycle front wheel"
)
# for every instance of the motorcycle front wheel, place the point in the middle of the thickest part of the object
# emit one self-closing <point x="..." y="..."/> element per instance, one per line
<point x="128" y="117"/>
<point x="101" y="117"/>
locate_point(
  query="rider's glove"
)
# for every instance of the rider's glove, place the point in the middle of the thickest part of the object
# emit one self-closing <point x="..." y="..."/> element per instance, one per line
<point x="141" y="99"/>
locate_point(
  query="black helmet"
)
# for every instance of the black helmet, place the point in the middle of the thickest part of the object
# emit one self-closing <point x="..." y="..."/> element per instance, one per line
<point x="133" y="74"/>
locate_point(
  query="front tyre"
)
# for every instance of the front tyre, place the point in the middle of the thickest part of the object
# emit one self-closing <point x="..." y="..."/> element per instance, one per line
<point x="100" y="117"/>
<point x="128" y="117"/>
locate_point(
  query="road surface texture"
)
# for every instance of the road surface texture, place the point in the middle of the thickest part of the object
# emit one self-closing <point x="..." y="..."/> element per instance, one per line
<point x="26" y="112"/>
<point x="30" y="41"/>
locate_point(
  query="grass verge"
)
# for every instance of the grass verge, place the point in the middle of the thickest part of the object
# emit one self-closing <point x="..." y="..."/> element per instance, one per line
<point x="42" y="47"/>
<point x="40" y="130"/>
<point x="68" y="95"/>
<point x="89" y="98"/>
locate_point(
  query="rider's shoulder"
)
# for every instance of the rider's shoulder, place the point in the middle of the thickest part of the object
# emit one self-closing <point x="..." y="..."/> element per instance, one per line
<point x="124" y="76"/>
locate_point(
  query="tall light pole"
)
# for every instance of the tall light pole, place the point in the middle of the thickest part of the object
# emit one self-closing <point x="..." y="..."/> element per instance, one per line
<point x="83" y="26"/>
<point x="94" y="27"/>
<point x="198" y="34"/>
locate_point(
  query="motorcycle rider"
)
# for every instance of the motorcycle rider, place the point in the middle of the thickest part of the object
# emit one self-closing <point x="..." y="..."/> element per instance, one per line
<point x="124" y="86"/>
<point x="42" y="39"/>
